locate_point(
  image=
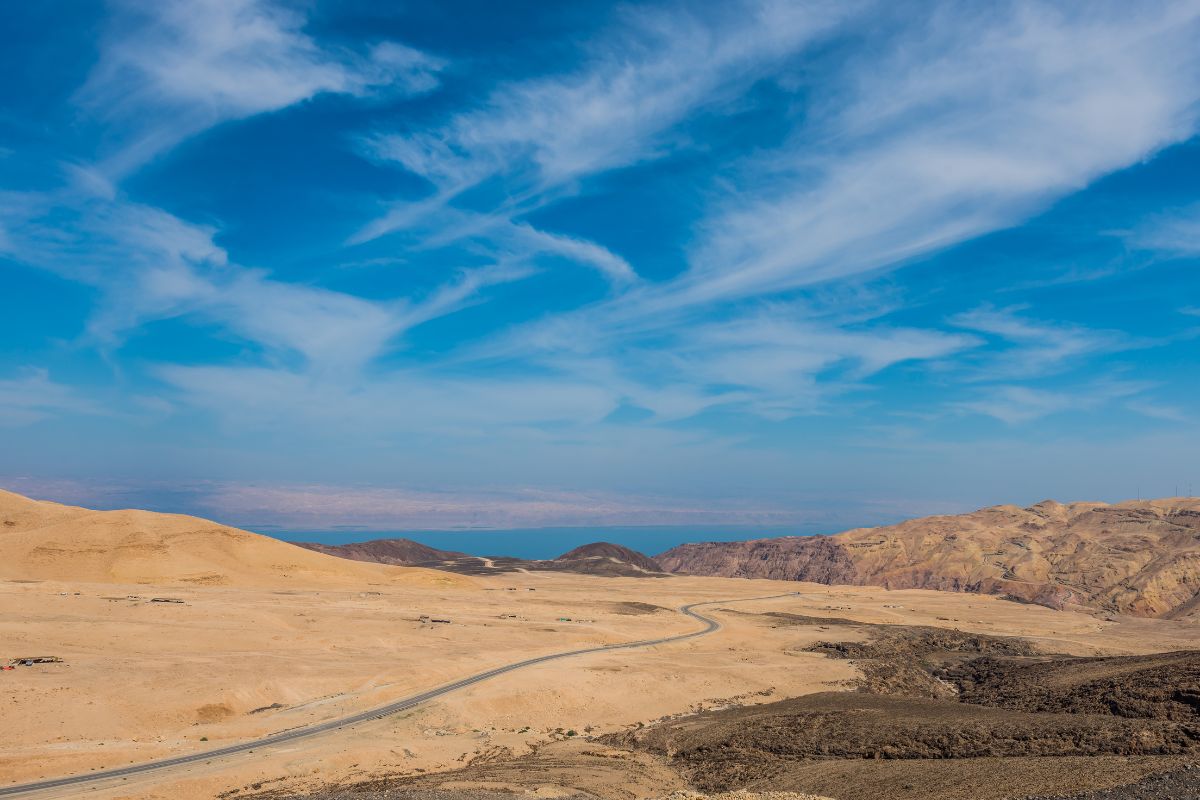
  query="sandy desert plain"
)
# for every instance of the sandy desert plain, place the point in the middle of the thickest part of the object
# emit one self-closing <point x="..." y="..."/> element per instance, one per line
<point x="286" y="638"/>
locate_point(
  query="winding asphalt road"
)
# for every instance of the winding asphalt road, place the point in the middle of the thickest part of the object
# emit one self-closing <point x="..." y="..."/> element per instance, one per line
<point x="710" y="625"/>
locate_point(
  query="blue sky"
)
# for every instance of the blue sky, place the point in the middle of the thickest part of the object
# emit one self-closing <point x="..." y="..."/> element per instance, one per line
<point x="474" y="264"/>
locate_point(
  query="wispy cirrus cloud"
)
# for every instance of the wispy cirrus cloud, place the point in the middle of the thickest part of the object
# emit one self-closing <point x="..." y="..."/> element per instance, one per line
<point x="913" y="142"/>
<point x="1017" y="405"/>
<point x="776" y="362"/>
<point x="32" y="396"/>
<point x="151" y="265"/>
<point x="541" y="135"/>
<point x="168" y="71"/>
<point x="619" y="107"/>
<point x="512" y="242"/>
<point x="926" y="143"/>
<point x="171" y="69"/>
<point x="1036" y="348"/>
<point x="1159" y="411"/>
<point x="1174" y="234"/>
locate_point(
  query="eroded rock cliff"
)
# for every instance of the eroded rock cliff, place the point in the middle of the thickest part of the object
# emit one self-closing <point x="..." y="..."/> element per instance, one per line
<point x="1138" y="558"/>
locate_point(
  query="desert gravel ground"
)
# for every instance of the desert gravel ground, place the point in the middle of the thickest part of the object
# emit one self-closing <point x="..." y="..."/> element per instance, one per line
<point x="1180" y="784"/>
<point x="144" y="680"/>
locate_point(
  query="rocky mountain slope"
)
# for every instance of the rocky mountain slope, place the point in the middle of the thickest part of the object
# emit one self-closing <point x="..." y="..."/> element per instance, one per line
<point x="41" y="540"/>
<point x="1138" y="558"/>
<point x="404" y="552"/>
<point x="600" y="552"/>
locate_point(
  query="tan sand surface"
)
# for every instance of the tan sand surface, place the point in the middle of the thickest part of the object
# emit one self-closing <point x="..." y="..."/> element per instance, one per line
<point x="47" y="541"/>
<point x="144" y="680"/>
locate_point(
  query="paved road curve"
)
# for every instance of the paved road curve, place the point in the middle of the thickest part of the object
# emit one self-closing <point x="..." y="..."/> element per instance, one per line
<point x="710" y="625"/>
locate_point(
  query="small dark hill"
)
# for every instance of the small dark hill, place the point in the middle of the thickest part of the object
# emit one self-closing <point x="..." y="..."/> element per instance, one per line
<point x="612" y="551"/>
<point x="404" y="552"/>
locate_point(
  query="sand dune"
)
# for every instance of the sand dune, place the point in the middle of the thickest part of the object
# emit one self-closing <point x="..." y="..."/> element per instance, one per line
<point x="20" y="513"/>
<point x="47" y="541"/>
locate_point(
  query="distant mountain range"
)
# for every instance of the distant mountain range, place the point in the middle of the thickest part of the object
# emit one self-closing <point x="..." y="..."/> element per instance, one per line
<point x="598" y="558"/>
<point x="1139" y="558"/>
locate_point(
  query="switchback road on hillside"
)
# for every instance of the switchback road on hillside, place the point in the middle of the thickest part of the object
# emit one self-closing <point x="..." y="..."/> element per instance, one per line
<point x="101" y="776"/>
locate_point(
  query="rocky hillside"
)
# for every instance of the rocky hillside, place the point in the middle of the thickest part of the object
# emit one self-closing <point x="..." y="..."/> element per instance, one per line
<point x="385" y="551"/>
<point x="1138" y="558"/>
<point x="611" y="552"/>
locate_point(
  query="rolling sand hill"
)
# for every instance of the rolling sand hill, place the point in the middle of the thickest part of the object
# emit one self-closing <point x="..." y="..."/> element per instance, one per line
<point x="1139" y="558"/>
<point x="47" y="541"/>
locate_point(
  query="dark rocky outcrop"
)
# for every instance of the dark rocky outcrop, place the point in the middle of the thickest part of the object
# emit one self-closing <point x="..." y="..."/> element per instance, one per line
<point x="598" y="558"/>
<point x="614" y="552"/>
<point x="404" y="552"/>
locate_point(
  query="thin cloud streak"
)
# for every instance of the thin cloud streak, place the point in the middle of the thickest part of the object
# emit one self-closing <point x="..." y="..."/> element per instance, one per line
<point x="1017" y="405"/>
<point x="32" y="396"/>
<point x="171" y="69"/>
<point x="659" y="69"/>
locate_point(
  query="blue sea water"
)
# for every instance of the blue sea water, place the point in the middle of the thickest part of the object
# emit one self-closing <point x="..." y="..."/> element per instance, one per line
<point x="544" y="542"/>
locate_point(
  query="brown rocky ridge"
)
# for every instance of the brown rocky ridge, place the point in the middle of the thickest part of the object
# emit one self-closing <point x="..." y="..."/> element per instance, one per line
<point x="404" y="552"/>
<point x="612" y="552"/>
<point x="1140" y="558"/>
<point x="597" y="558"/>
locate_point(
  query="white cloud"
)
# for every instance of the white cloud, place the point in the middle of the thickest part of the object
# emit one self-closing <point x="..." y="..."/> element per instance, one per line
<point x="399" y="403"/>
<point x="969" y="121"/>
<point x="1175" y="234"/>
<point x="616" y="268"/>
<point x="32" y="396"/>
<point x="170" y="69"/>
<point x="431" y="225"/>
<point x="616" y="110"/>
<point x="1016" y="405"/>
<point x="1159" y="411"/>
<point x="166" y="71"/>
<point x="151" y="265"/>
<point x="633" y="87"/>
<point x="1039" y="348"/>
<point x="935" y="128"/>
<point x="785" y="365"/>
<point x="778" y="361"/>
